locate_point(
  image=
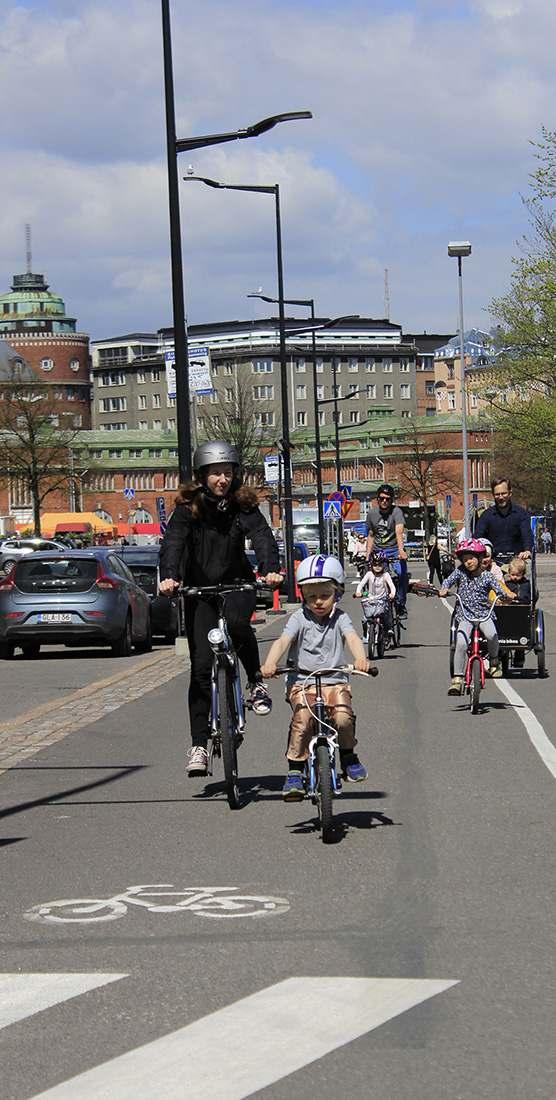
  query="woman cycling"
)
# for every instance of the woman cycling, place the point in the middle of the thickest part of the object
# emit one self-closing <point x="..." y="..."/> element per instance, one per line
<point x="204" y="544"/>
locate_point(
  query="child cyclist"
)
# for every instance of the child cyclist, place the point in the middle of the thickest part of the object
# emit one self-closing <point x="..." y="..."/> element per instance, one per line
<point x="472" y="587"/>
<point x="316" y="634"/>
<point x="380" y="592"/>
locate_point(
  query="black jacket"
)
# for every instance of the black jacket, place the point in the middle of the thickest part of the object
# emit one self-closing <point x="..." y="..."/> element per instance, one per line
<point x="509" y="532"/>
<point x="204" y="543"/>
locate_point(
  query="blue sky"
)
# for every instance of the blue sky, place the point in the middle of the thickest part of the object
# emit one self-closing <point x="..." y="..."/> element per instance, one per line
<point x="423" y="116"/>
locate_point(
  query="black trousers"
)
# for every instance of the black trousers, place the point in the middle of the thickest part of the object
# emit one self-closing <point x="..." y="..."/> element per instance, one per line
<point x="200" y="617"/>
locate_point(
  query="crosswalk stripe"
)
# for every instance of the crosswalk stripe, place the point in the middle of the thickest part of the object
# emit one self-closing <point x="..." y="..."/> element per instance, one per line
<point x="247" y="1046"/>
<point x="23" y="995"/>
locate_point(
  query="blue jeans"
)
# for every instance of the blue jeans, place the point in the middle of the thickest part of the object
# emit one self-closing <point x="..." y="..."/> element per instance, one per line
<point x="399" y="568"/>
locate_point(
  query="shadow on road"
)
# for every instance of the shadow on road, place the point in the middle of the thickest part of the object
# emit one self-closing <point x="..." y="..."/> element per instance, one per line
<point x="58" y="797"/>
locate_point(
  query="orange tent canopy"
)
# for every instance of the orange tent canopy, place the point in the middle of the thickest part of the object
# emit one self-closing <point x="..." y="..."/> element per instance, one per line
<point x="73" y="521"/>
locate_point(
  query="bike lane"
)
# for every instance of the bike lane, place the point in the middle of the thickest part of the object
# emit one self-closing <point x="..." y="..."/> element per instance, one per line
<point x="433" y="880"/>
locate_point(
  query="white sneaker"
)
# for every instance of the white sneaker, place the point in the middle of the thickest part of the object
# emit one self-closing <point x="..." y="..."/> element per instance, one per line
<point x="197" y="760"/>
<point x="258" y="698"/>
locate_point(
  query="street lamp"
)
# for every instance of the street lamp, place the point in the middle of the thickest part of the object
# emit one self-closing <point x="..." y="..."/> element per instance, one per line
<point x="460" y="249"/>
<point x="274" y="189"/>
<point x="173" y="147"/>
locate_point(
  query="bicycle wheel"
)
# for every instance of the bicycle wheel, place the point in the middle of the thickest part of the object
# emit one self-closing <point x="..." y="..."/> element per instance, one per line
<point x="371" y="641"/>
<point x="324" y="792"/>
<point x="228" y="739"/>
<point x="475" y="687"/>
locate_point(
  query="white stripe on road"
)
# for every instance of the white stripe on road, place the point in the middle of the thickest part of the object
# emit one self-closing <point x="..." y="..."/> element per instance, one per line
<point x="247" y="1046"/>
<point x="535" y="732"/>
<point x="22" y="995"/>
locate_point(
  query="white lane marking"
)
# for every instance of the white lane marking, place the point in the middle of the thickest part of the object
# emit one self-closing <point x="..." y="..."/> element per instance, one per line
<point x="247" y="1046"/>
<point x="22" y="995"/>
<point x="216" y="902"/>
<point x="535" y="732"/>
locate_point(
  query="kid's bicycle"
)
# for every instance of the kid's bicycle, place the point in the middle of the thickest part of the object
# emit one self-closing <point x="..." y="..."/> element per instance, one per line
<point x="227" y="705"/>
<point x="320" y="776"/>
<point x="474" y="676"/>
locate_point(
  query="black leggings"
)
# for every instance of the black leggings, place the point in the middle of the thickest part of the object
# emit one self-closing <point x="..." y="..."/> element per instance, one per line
<point x="200" y="617"/>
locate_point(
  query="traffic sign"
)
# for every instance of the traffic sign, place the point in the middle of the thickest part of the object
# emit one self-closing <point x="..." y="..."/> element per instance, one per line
<point x="161" y="509"/>
<point x="332" y="509"/>
<point x="129" y="493"/>
<point x="448" y="501"/>
<point x="347" y="490"/>
<point x="338" y="494"/>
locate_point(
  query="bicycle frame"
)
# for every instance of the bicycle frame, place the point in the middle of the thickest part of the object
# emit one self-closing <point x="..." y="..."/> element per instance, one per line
<point x="329" y="738"/>
<point x="474" y="648"/>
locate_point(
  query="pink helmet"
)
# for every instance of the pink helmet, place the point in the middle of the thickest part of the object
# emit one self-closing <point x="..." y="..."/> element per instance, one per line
<point x="470" y="546"/>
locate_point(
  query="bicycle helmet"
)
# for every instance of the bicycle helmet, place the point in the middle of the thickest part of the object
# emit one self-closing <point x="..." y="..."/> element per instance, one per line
<point x="487" y="545"/>
<point x="318" y="568"/>
<point x="378" y="558"/>
<point x="469" y="546"/>
<point x="386" y="488"/>
<point x="212" y="452"/>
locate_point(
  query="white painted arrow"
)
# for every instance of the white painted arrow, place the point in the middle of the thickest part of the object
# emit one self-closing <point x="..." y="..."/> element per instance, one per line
<point x="22" y="995"/>
<point x="250" y="1044"/>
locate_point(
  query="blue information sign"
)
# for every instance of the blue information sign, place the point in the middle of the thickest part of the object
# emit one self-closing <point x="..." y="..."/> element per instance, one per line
<point x="332" y="509"/>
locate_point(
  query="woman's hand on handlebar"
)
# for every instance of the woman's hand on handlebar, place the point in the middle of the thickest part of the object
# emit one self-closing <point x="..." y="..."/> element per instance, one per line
<point x="273" y="579"/>
<point x="168" y="586"/>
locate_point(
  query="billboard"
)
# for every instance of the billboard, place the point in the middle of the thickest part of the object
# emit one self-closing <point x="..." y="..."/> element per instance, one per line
<point x="199" y="371"/>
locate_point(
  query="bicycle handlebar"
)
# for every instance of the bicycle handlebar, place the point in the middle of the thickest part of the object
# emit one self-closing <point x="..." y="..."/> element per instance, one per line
<point x="485" y="618"/>
<point x="218" y="589"/>
<point x="283" y="669"/>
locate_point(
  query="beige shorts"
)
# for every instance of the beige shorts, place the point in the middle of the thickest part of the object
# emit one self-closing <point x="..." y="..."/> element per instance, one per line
<point x="338" y="704"/>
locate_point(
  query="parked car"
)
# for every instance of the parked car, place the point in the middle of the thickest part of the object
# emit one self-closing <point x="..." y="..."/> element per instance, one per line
<point x="264" y="593"/>
<point x="12" y="549"/>
<point x="73" y="598"/>
<point x="142" y="561"/>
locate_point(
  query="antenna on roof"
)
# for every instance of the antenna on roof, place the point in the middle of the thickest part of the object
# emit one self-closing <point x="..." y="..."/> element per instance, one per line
<point x="386" y="295"/>
<point x="28" y="247"/>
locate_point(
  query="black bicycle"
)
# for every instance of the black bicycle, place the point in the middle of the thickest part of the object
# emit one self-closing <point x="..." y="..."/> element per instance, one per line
<point x="227" y="705"/>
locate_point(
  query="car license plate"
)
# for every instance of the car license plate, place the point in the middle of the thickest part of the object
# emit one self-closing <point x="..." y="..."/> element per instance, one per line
<point x="54" y="617"/>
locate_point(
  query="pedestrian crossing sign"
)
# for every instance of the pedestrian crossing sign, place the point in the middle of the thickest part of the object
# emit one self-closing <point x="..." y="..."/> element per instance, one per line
<point x="332" y="509"/>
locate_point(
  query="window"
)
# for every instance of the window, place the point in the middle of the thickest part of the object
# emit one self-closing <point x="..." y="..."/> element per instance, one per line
<point x="170" y="402"/>
<point x="54" y="420"/>
<point x="135" y="454"/>
<point x="369" y="366"/>
<point x="228" y="394"/>
<point x="228" y="368"/>
<point x="213" y="397"/>
<point x="157" y="425"/>
<point x="112" y="404"/>
<point x="156" y="400"/>
<point x="353" y="387"/>
<point x="262" y="366"/>
<point x="405" y="391"/>
<point x="156" y="453"/>
<point x="111" y="378"/>
<point x="74" y="365"/>
<point x="474" y="401"/>
<point x="451" y="372"/>
<point x="429" y="389"/>
<point x="319" y="364"/>
<point x="371" y="390"/>
<point x="142" y="401"/>
<point x="200" y="398"/>
<point x="388" y="390"/>
<point x="114" y="454"/>
<point x="214" y="369"/>
<point x="429" y="411"/>
<point x="354" y="416"/>
<point x="337" y="390"/>
<point x="141" y="377"/>
<point x="143" y="425"/>
<point x="264" y="419"/>
<point x="47" y="364"/>
<point x="322" y="417"/>
<point x="155" y="376"/>
<point x="320" y="393"/>
<point x="339" y="418"/>
<point x="301" y="419"/>
<point x="387" y="366"/>
<point x="301" y="393"/>
<point x="200" y="422"/>
<point x="353" y="366"/>
<point x="451" y="399"/>
<point x="260" y="393"/>
<point x="171" y="481"/>
<point x="171" y="424"/>
<point x="405" y="414"/>
<point x="404" y="366"/>
<point x="300" y="366"/>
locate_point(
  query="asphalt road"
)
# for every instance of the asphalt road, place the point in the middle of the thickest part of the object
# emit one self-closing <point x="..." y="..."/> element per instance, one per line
<point x="443" y="872"/>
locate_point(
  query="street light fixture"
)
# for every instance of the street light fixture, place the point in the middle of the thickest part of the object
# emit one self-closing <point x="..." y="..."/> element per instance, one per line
<point x="173" y="147"/>
<point x="460" y="249"/>
<point x="274" y="189"/>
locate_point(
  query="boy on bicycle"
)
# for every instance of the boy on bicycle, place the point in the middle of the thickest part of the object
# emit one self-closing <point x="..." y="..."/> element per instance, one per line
<point x="380" y="593"/>
<point x="315" y="634"/>
<point x="472" y="586"/>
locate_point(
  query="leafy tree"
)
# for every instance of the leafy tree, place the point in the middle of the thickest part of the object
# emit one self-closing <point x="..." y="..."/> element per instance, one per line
<point x="34" y="449"/>
<point x="524" y="378"/>
<point x="421" y="469"/>
<point x="235" y="421"/>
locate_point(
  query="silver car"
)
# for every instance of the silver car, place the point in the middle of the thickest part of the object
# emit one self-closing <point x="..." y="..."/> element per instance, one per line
<point x="74" y="598"/>
<point x="14" y="548"/>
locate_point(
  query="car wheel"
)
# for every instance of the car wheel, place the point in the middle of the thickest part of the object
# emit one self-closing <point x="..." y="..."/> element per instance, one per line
<point x="31" y="650"/>
<point x="123" y="645"/>
<point x="8" y="565"/>
<point x="146" y="643"/>
<point x="6" y="651"/>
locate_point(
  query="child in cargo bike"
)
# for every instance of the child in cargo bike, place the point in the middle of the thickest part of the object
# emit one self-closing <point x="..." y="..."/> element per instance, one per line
<point x="315" y="635"/>
<point x="473" y="587"/>
<point x="380" y="592"/>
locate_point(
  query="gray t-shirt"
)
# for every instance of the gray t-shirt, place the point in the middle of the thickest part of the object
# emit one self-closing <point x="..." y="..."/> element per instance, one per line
<point x="318" y="643"/>
<point x="383" y="527"/>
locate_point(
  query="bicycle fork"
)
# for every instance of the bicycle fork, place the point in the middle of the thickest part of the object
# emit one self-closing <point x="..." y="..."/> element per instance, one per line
<point x="321" y="738"/>
<point x="474" y="654"/>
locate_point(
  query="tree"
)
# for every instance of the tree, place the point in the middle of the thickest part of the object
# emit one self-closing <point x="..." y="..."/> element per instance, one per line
<point x="524" y="376"/>
<point x="34" y="449"/>
<point x="421" y="470"/>
<point x="234" y="417"/>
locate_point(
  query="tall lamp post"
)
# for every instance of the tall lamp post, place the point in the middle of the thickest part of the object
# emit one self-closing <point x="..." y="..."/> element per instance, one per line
<point x="174" y="146"/>
<point x="274" y="189"/>
<point x="460" y="249"/>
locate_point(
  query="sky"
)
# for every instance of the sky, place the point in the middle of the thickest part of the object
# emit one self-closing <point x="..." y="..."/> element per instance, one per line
<point x="424" y="113"/>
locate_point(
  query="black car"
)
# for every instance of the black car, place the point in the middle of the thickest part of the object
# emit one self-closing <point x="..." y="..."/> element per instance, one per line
<point x="142" y="561"/>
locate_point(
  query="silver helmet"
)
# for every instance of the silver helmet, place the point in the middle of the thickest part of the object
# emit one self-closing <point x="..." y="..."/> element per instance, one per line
<point x="318" y="568"/>
<point x="212" y="452"/>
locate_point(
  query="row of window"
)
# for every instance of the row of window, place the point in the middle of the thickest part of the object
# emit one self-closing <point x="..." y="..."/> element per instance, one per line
<point x="48" y="364"/>
<point x="119" y="404"/>
<point x="155" y="452"/>
<point x="142" y="425"/>
<point x="266" y="366"/>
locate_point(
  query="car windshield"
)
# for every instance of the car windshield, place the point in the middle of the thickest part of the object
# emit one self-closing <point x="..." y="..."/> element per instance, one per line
<point x="55" y="574"/>
<point x="145" y="575"/>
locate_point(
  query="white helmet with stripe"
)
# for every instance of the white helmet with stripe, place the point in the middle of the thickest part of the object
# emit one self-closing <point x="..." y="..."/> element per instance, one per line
<point x="318" y="568"/>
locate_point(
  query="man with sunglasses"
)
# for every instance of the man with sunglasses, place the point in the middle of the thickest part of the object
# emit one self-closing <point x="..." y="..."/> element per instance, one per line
<point x="385" y="530"/>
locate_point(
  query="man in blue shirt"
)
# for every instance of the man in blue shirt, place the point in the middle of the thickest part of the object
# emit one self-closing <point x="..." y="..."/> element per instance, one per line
<point x="507" y="525"/>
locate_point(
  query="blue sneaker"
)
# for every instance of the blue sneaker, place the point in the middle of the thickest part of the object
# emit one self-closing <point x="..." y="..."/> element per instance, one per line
<point x="293" y="789"/>
<point x="355" y="771"/>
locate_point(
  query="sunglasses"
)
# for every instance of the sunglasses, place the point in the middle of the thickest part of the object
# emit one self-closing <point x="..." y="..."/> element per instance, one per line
<point x="383" y="497"/>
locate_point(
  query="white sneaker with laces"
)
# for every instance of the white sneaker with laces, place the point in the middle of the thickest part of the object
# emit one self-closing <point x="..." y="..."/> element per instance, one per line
<point x="197" y="760"/>
<point x="259" y="698"/>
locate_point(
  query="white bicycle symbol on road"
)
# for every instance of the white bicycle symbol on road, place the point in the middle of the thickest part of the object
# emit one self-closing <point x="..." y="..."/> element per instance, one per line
<point x="217" y="902"/>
